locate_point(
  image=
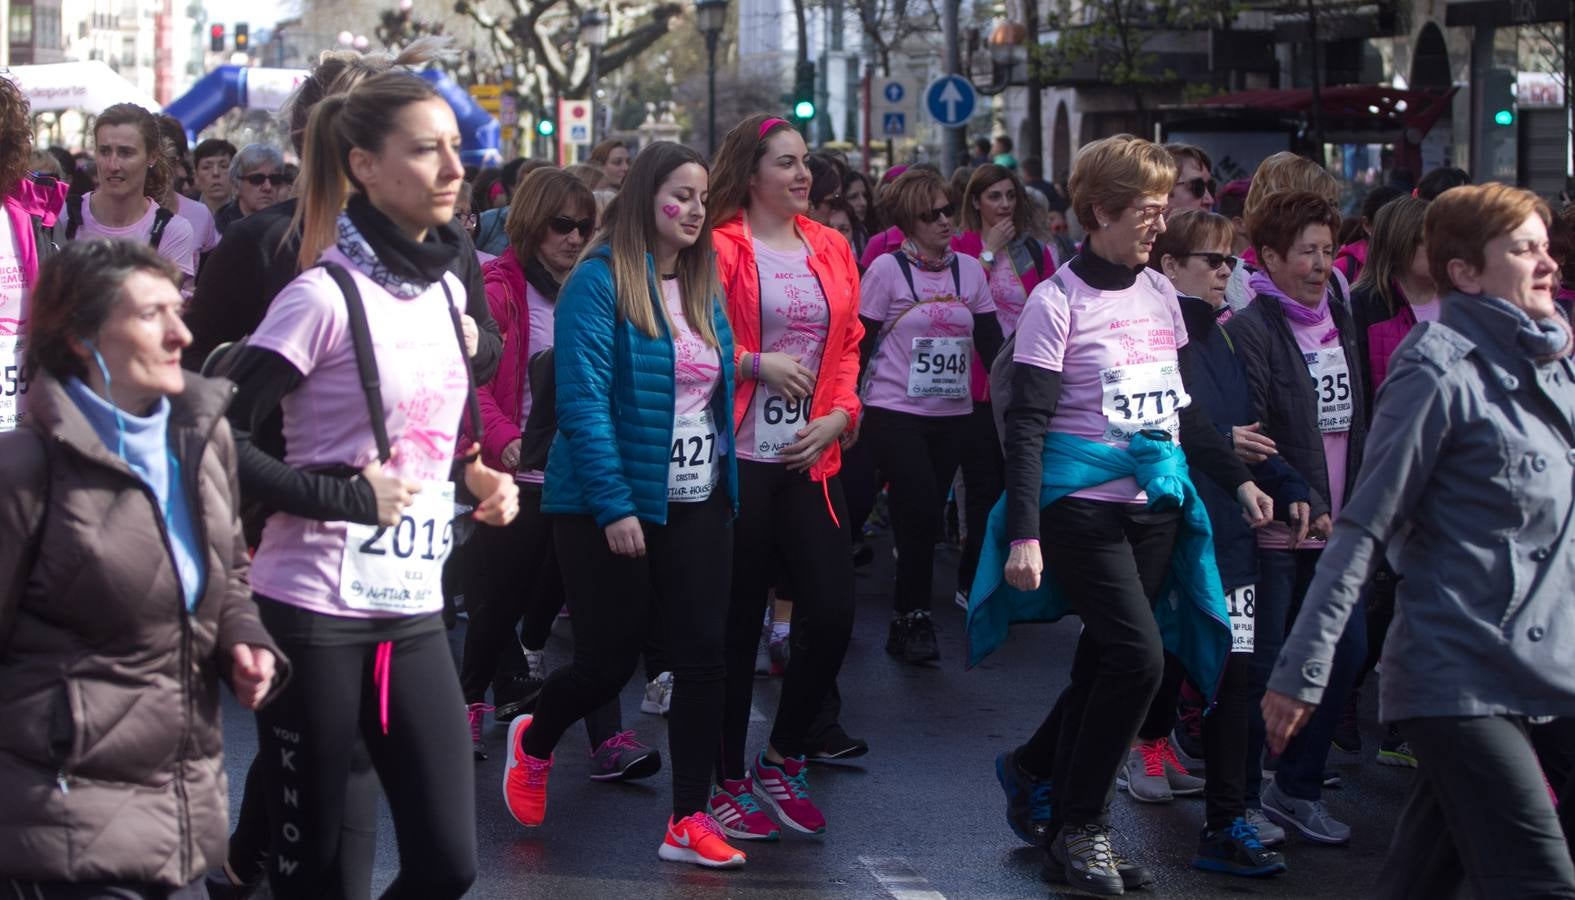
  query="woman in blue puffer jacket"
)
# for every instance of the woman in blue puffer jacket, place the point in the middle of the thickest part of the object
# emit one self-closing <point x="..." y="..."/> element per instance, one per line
<point x="643" y="482"/>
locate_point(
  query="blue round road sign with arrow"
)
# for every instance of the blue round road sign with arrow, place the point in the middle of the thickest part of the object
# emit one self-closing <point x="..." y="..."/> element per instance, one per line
<point x="895" y="92"/>
<point x="950" y="100"/>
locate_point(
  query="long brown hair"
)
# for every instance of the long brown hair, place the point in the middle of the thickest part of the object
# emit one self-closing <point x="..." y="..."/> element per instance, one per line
<point x="629" y="233"/>
<point x="544" y="193"/>
<point x="1397" y="232"/>
<point x="337" y="71"/>
<point x="736" y="162"/>
<point x="159" y="173"/>
<point x="16" y="135"/>
<point x="362" y="118"/>
<point x="981" y="181"/>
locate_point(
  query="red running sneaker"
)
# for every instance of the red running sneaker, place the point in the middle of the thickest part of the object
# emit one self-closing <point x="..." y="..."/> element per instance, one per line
<point x="734" y="807"/>
<point x="698" y="839"/>
<point x="525" y="780"/>
<point x="785" y="789"/>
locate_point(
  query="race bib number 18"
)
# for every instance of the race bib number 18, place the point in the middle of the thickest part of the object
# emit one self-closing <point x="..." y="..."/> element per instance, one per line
<point x="939" y="367"/>
<point x="1241" y="603"/>
<point x="399" y="569"/>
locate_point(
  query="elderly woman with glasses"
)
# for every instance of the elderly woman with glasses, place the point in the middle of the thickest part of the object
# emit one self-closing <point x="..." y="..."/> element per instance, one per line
<point x="260" y="180"/>
<point x="926" y="309"/>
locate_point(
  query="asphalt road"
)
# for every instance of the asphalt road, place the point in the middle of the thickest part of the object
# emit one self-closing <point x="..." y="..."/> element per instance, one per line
<point x="919" y="818"/>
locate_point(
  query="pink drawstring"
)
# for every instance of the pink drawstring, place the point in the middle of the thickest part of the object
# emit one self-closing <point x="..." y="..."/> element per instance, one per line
<point x="382" y="671"/>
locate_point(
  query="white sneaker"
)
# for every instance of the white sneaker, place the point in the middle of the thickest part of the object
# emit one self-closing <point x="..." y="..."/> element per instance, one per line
<point x="658" y="695"/>
<point x="1269" y="834"/>
<point x="1310" y="817"/>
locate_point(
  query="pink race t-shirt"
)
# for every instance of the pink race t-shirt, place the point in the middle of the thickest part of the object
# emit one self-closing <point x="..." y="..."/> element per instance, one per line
<point x="1116" y="352"/>
<point x="924" y="355"/>
<point x="13" y="323"/>
<point x="205" y="234"/>
<point x="178" y="245"/>
<point x="1427" y="312"/>
<point x="697" y="366"/>
<point x="794" y="319"/>
<point x="1008" y="293"/>
<point x="424" y="387"/>
<point x="540" y="311"/>
<point x="1326" y="362"/>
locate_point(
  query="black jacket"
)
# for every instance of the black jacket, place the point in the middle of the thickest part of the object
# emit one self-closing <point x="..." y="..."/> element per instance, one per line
<point x="1285" y="398"/>
<point x="256" y="259"/>
<point x="1217" y="381"/>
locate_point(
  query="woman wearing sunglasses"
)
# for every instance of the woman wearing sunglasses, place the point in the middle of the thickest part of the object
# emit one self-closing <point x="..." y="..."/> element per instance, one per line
<point x="793" y="292"/>
<point x="512" y="571"/>
<point x="258" y="176"/>
<point x="997" y="220"/>
<point x="926" y="311"/>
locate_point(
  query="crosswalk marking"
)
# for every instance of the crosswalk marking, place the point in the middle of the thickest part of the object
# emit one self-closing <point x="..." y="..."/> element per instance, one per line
<point x="899" y="878"/>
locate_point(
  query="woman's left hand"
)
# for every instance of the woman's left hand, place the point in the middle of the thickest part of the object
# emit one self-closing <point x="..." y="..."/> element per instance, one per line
<point x="1283" y="717"/>
<point x="1256" y="506"/>
<point x="500" y="496"/>
<point x="251" y="673"/>
<point x="813" y="439"/>
<point x="472" y="335"/>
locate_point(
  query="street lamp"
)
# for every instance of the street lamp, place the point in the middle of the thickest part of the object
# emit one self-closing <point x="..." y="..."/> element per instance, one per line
<point x="593" y="33"/>
<point x="710" y="17"/>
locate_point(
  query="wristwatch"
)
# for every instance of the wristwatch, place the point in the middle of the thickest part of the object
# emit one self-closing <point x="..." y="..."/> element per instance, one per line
<point x="987" y="258"/>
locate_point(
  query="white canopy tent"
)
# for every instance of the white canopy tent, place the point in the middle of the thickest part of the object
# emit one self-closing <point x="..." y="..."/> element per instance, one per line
<point x="90" y="87"/>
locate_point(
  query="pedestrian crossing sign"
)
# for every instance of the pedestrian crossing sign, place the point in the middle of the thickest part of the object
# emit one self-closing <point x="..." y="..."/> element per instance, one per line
<point x="894" y="124"/>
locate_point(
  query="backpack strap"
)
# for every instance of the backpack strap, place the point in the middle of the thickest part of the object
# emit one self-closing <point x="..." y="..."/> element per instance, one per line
<point x="472" y="404"/>
<point x="907" y="274"/>
<point x="1038" y="251"/>
<point x="161" y="219"/>
<point x="73" y="216"/>
<point x="365" y="355"/>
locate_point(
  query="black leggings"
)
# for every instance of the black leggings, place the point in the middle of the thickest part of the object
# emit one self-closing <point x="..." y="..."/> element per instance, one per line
<point x="423" y="758"/>
<point x="919" y="456"/>
<point x="984" y="478"/>
<point x="509" y="572"/>
<point x="785" y="525"/>
<point x="99" y="890"/>
<point x="685" y="575"/>
<point x="1109" y="559"/>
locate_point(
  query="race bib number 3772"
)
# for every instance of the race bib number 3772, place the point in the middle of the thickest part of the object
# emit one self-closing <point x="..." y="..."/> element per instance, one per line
<point x="1142" y="397"/>
<point x="399" y="569"/>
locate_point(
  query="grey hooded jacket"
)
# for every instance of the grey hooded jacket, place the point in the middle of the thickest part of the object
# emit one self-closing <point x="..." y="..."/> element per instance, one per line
<point x="1469" y="479"/>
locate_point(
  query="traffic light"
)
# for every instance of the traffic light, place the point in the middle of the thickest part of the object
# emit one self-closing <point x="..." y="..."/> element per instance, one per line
<point x="216" y="39"/>
<point x="243" y="38"/>
<point x="804" y="92"/>
<point x="545" y="127"/>
<point x="1498" y="95"/>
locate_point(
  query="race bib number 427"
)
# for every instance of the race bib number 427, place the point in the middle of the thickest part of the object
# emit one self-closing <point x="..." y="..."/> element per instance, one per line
<point x="691" y="466"/>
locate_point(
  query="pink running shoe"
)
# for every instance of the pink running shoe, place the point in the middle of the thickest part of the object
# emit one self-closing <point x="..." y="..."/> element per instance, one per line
<point x="785" y="789"/>
<point x="476" y="713"/>
<point x="734" y="807"/>
<point x="525" y="779"/>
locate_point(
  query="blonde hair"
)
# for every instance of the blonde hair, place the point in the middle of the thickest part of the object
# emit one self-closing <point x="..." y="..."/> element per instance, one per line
<point x="1111" y="173"/>
<point x="1397" y="232"/>
<point x="1285" y="172"/>
<point x="629" y="233"/>
<point x="1461" y="222"/>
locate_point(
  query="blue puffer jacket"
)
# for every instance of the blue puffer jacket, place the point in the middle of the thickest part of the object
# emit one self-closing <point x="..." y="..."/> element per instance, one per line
<point x="615" y="404"/>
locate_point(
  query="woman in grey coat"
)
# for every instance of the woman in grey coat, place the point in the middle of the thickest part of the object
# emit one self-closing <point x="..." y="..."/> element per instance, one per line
<point x="1469" y="482"/>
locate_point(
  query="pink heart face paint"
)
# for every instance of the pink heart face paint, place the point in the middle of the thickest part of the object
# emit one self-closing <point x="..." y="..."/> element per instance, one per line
<point x="671" y="210"/>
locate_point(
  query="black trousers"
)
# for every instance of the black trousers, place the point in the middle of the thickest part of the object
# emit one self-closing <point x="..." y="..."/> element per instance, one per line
<point x="681" y="586"/>
<point x="919" y="456"/>
<point x="1479" y="809"/>
<point x="1110" y="560"/>
<point x="1225" y="746"/>
<point x="785" y="525"/>
<point x="510" y="572"/>
<point x="984" y="478"/>
<point x="423" y="758"/>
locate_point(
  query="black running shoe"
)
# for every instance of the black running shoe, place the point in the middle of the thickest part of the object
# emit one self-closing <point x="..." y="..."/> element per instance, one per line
<point x="515" y="696"/>
<point x="836" y="746"/>
<point x="1236" y="851"/>
<point x="921" y="646"/>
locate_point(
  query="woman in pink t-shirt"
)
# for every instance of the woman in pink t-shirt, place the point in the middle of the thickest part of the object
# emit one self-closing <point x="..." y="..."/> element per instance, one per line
<point x="348" y="573"/>
<point x="927" y="311"/>
<point x="792" y="292"/>
<point x="1396" y="290"/>
<point x="131" y="172"/>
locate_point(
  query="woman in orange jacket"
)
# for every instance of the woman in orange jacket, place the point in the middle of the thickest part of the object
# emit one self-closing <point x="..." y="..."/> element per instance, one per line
<point x="792" y="295"/>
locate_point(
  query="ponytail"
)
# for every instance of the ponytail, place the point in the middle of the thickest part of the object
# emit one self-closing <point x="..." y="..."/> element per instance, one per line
<point x="324" y="183"/>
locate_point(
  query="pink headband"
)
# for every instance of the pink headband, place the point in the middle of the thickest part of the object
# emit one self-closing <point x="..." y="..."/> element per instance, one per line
<point x="495" y="191"/>
<point x="769" y="124"/>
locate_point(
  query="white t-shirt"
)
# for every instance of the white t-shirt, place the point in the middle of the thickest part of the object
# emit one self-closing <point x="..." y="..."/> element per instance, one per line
<point x="205" y="234"/>
<point x="13" y="323"/>
<point x="178" y="244"/>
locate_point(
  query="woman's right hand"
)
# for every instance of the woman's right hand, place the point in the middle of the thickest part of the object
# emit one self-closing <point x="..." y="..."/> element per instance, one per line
<point x="625" y="537"/>
<point x="1024" y="565"/>
<point x="1321" y="528"/>
<point x="511" y="454"/>
<point x="999" y="235"/>
<point x="393" y="493"/>
<point x="1300" y="515"/>
<point x="783" y="374"/>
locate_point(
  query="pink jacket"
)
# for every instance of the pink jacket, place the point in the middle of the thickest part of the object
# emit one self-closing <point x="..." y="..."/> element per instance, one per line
<point x="879" y="245"/>
<point x="1351" y="258"/>
<point x="31" y="198"/>
<point x="500" y="398"/>
<point x="1384" y="338"/>
<point x="970" y="243"/>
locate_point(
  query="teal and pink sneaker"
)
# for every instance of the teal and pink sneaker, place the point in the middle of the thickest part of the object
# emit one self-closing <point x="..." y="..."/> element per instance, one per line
<point x="785" y="789"/>
<point x="734" y="807"/>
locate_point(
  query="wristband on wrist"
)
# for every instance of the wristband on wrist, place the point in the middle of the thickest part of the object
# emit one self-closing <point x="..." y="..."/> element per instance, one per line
<point x="1023" y="541"/>
<point x="754" y="374"/>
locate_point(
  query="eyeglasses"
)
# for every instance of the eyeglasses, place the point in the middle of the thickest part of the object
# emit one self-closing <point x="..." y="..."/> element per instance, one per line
<point x="469" y="221"/>
<point x="258" y="179"/>
<point x="1215" y="260"/>
<point x="564" y="225"/>
<point x="1148" y="215"/>
<point x="1200" y="186"/>
<point x="929" y="218"/>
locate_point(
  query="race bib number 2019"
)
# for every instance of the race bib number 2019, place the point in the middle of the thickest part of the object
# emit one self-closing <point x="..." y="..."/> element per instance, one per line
<point x="399" y="569"/>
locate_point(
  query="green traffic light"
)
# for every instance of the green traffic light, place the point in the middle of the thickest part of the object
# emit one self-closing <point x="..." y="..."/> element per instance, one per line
<point x="1504" y="117"/>
<point x="804" y="109"/>
<point x="545" y="127"/>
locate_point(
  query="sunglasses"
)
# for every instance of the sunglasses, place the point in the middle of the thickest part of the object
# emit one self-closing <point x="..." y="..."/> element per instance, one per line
<point x="949" y="211"/>
<point x="1200" y="186"/>
<point x="258" y="179"/>
<point x="564" y="225"/>
<point x="1215" y="260"/>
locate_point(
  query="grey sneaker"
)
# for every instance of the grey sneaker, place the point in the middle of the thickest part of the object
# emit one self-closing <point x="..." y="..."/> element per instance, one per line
<point x="1269" y="834"/>
<point x="1182" y="782"/>
<point x="1143" y="776"/>
<point x="658" y="695"/>
<point x="1088" y="860"/>
<point x="623" y="758"/>
<point x="1310" y="817"/>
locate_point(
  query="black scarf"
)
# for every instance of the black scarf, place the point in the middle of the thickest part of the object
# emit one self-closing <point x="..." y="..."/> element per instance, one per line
<point x="400" y="265"/>
<point x="541" y="279"/>
<point x="1101" y="274"/>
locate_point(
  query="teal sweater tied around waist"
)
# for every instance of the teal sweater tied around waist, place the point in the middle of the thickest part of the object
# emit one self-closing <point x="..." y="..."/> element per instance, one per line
<point x="1191" y="612"/>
